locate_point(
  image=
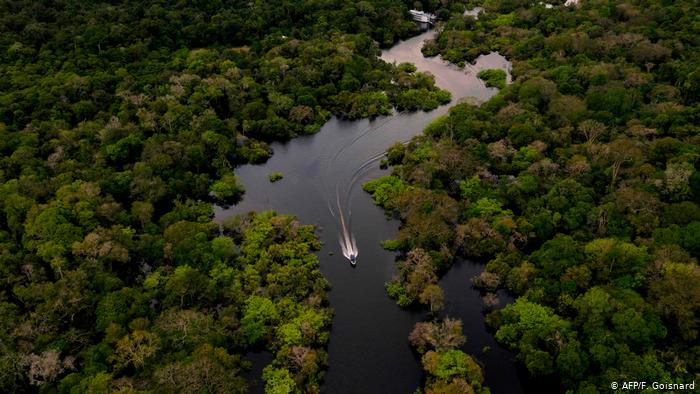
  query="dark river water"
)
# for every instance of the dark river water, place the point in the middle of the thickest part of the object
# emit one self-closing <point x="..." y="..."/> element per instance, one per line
<point x="323" y="175"/>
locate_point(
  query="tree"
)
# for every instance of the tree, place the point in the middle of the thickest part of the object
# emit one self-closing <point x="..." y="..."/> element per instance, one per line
<point x="207" y="369"/>
<point x="591" y="130"/>
<point x="449" y="363"/>
<point x="493" y="77"/>
<point x="228" y="189"/>
<point x="134" y="349"/>
<point x="647" y="52"/>
<point x="616" y="261"/>
<point x="186" y="286"/>
<point x="185" y="328"/>
<point x="142" y="211"/>
<point x="11" y="370"/>
<point x="675" y="298"/>
<point x="528" y="326"/>
<point x="259" y="314"/>
<point x="537" y="92"/>
<point x="677" y="176"/>
<point x="451" y="370"/>
<point x="566" y="110"/>
<point x="440" y="336"/>
<point x="46" y="367"/>
<point x="557" y="255"/>
<point x="619" y="152"/>
<point x="278" y="381"/>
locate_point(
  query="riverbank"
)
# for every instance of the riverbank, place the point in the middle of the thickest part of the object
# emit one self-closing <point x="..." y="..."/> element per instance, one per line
<point x="369" y="331"/>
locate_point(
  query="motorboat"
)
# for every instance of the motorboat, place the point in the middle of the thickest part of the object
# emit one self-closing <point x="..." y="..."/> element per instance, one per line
<point x="353" y="259"/>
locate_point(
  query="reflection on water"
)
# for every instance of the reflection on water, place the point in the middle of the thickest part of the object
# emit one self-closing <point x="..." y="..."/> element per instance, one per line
<point x="460" y="82"/>
<point x="368" y="349"/>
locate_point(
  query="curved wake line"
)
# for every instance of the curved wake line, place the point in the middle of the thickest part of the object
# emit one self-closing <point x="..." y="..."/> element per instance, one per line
<point x="346" y="238"/>
<point x="339" y="152"/>
<point x="364" y="133"/>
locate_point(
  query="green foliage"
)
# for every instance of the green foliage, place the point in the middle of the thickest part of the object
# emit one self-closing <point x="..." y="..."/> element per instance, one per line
<point x="494" y="77"/>
<point x="395" y="153"/>
<point x="385" y="190"/>
<point x="275" y="176"/>
<point x="160" y="328"/>
<point x="227" y="189"/>
<point x="407" y="68"/>
<point x="121" y="124"/>
<point x="305" y="329"/>
<point x="526" y="326"/>
<point x="612" y="260"/>
<point x="416" y="282"/>
<point x="450" y="363"/>
<point x="447" y="367"/>
<point x="117" y="307"/>
<point x="577" y="183"/>
<point x="674" y="298"/>
<point x="452" y="367"/>
<point x="487" y="208"/>
<point x="278" y="381"/>
<point x="413" y="99"/>
<point x="473" y="189"/>
<point x="259" y="314"/>
<point x="118" y="135"/>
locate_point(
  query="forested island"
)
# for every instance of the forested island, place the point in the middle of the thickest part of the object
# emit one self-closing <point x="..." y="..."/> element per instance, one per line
<point x="122" y="123"/>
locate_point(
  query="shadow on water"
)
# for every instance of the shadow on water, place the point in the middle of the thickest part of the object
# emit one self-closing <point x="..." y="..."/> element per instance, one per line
<point x="464" y="302"/>
<point x="258" y="361"/>
<point x="368" y="350"/>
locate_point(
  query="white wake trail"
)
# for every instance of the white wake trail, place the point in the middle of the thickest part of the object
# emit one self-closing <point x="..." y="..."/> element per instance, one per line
<point x="346" y="238"/>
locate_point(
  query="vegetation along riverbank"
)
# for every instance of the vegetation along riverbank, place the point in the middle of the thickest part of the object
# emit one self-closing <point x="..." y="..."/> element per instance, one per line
<point x="577" y="185"/>
<point x="121" y="124"/>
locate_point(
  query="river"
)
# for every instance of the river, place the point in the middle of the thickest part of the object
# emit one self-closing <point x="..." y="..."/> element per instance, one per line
<point x="368" y="348"/>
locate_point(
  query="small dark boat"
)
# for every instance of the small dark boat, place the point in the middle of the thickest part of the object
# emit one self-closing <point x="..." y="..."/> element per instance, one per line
<point x="353" y="259"/>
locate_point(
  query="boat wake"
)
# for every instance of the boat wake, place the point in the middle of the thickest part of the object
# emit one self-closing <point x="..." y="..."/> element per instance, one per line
<point x="342" y="209"/>
<point x="348" y="245"/>
<point x="346" y="238"/>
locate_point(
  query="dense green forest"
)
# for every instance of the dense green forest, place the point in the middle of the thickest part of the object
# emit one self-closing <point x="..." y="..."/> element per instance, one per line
<point x="577" y="185"/>
<point x="120" y="125"/>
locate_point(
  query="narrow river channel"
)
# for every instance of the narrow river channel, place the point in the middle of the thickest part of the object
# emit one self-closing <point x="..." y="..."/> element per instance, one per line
<point x="368" y="349"/>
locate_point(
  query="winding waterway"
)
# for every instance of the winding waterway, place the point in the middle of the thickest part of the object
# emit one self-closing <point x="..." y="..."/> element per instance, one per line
<point x="323" y="173"/>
